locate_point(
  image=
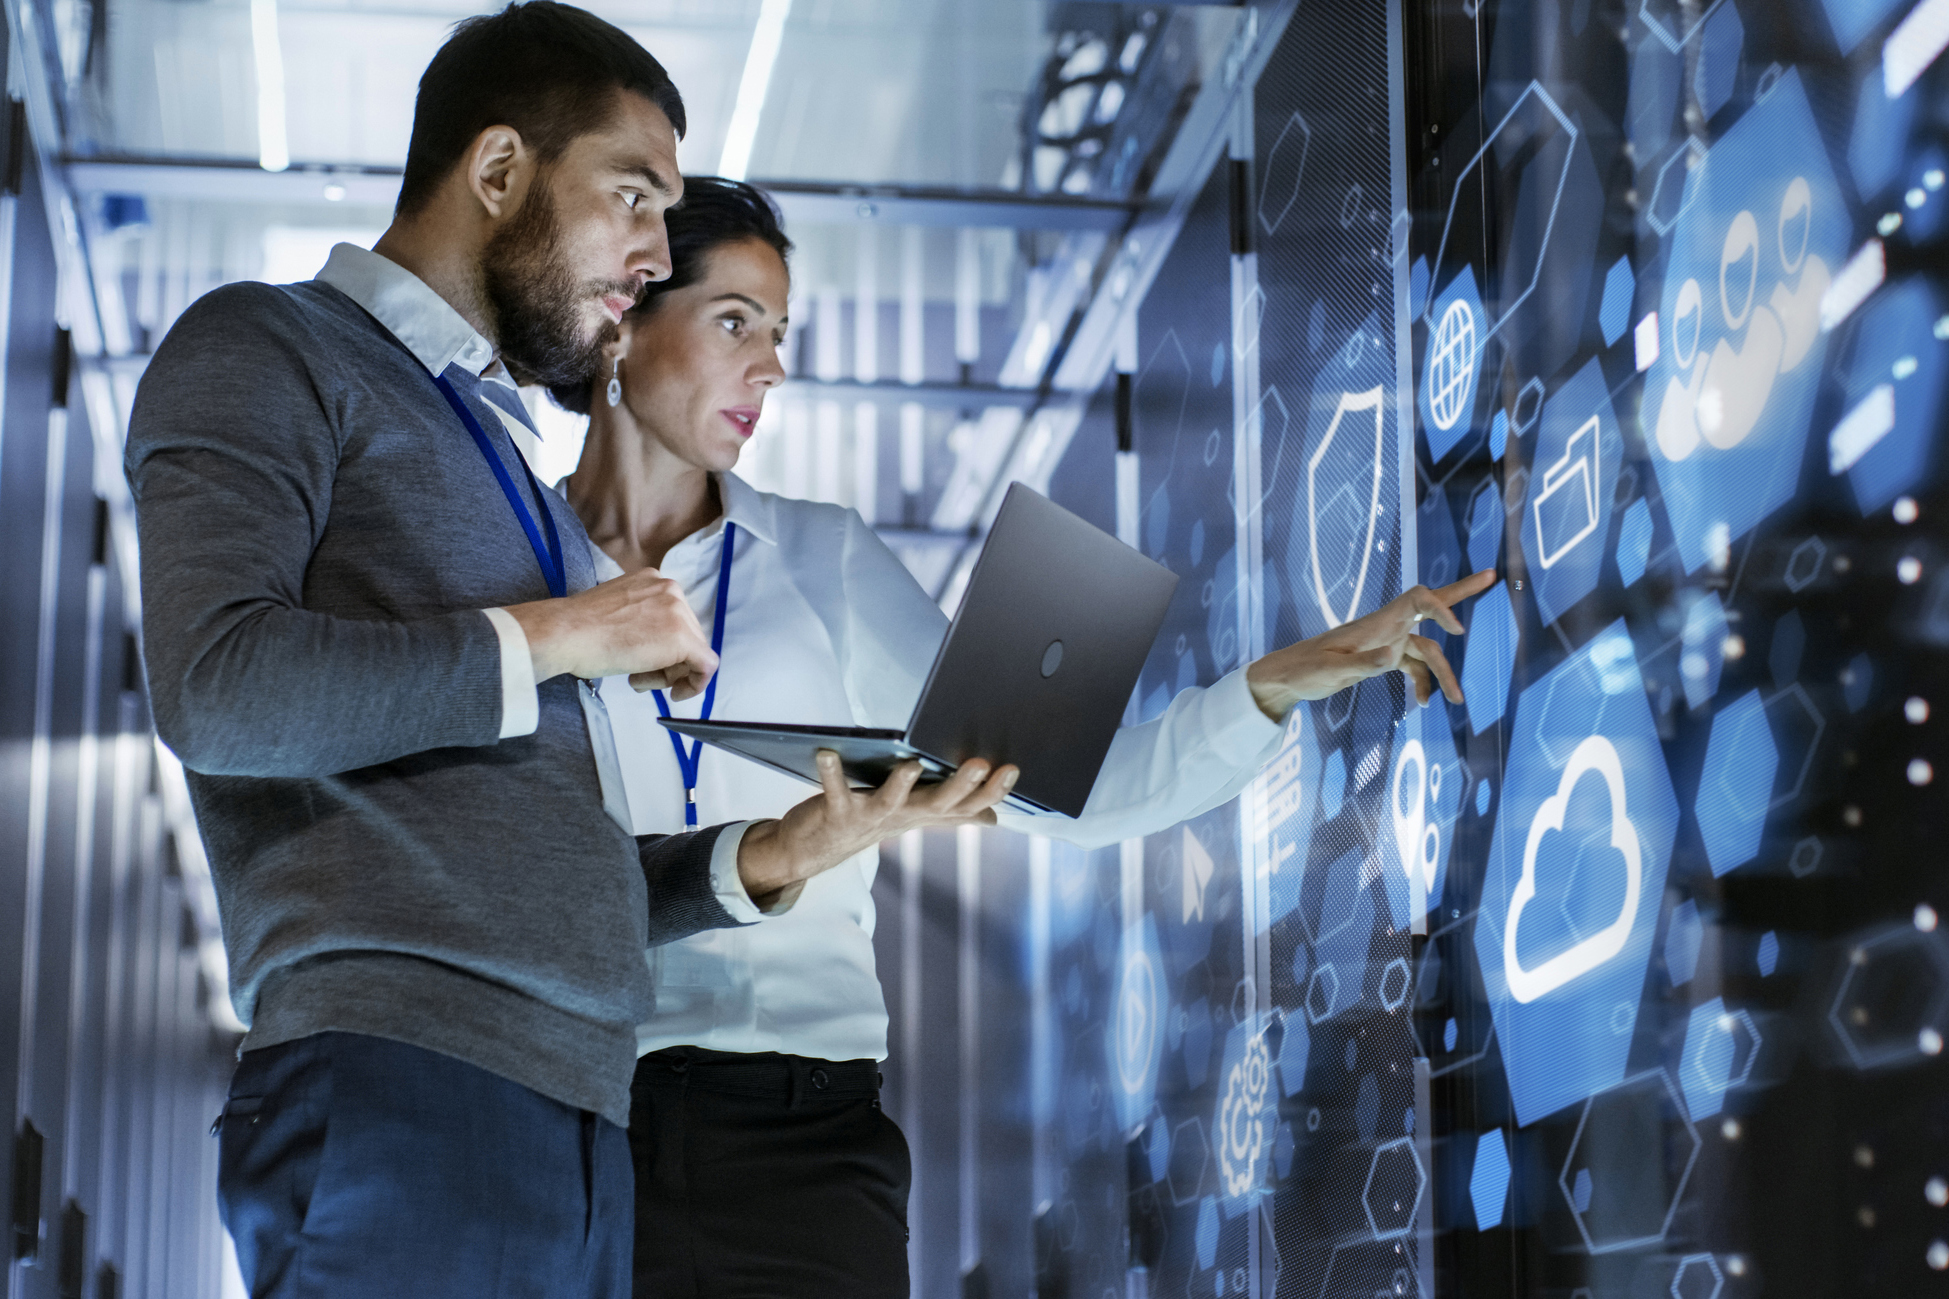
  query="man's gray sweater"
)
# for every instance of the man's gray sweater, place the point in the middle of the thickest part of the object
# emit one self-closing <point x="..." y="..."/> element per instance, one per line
<point x="319" y="535"/>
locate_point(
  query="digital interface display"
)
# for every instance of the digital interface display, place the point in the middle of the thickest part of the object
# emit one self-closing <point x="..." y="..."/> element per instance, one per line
<point x="1622" y="978"/>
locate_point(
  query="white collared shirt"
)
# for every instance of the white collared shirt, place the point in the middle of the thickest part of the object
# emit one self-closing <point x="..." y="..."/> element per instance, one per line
<point x="438" y="336"/>
<point x="825" y="626"/>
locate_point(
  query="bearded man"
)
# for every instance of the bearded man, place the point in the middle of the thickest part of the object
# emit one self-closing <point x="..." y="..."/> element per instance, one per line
<point x="372" y="637"/>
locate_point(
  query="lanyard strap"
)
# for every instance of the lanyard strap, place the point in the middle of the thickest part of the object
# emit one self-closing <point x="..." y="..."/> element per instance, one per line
<point x="687" y="760"/>
<point x="548" y="556"/>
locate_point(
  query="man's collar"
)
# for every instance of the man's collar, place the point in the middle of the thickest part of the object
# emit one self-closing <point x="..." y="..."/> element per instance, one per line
<point x="424" y="321"/>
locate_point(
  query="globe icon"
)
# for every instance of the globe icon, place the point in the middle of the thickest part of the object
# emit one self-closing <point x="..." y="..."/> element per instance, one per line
<point x="1451" y="366"/>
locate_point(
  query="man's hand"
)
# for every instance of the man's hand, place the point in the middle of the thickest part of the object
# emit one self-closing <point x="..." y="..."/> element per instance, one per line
<point x="777" y="857"/>
<point x="638" y="623"/>
<point x="1383" y="641"/>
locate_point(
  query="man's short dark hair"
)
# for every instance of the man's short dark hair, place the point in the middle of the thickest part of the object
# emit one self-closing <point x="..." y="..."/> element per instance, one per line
<point x="712" y="213"/>
<point x="550" y="71"/>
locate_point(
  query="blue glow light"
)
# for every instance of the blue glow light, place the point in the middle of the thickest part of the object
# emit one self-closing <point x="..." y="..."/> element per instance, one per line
<point x="1488" y="658"/>
<point x="1489" y="1180"/>
<point x="1736" y="784"/>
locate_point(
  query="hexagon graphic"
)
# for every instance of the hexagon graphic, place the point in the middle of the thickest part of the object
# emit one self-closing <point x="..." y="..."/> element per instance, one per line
<point x="1450" y="367"/>
<point x="1655" y="76"/>
<point x="1720" y="1048"/>
<point x="1886" y="439"/>
<point x="1767" y="957"/>
<point x="1586" y="775"/>
<point x="1284" y="168"/>
<point x="1893" y="988"/>
<point x="1797" y="728"/>
<point x="1702" y="652"/>
<point x="1393" y="1191"/>
<point x="1347" y="506"/>
<point x="1682" y="943"/>
<point x="1489" y="1179"/>
<point x="1206" y="1237"/>
<point x="1484" y="526"/>
<point x="1879" y="138"/>
<point x="1189" y="1157"/>
<point x="1736" y="784"/>
<point x="1135" y="1041"/>
<point x="1804" y="564"/>
<point x="1852" y="20"/>
<point x="1396" y="983"/>
<point x="1528" y="154"/>
<point x="1634" y="542"/>
<point x="1727" y="403"/>
<point x="1698" y="1275"/>
<point x="1627" y="1199"/>
<point x="1620" y="290"/>
<point x="1294" y="1048"/>
<point x="1670" y="194"/>
<point x="1572" y="484"/>
<point x="1719" y="58"/>
<point x="1322" y="994"/>
<point x="1805" y="857"/>
<point x="1489" y="658"/>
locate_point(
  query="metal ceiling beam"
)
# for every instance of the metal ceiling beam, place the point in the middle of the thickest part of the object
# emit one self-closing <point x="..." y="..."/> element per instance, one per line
<point x="934" y="396"/>
<point x="226" y="180"/>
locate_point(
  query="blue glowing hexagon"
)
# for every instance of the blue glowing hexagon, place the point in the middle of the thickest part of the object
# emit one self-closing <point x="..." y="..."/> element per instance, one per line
<point x="1741" y="761"/>
<point x="1348" y="501"/>
<point x="1886" y="438"/>
<point x="1702" y="648"/>
<point x="1485" y="522"/>
<point x="1620" y="290"/>
<point x="1395" y="1181"/>
<point x="1135" y="1042"/>
<point x="1333" y="784"/>
<point x="1768" y="955"/>
<point x="1572" y="480"/>
<point x="1761" y="232"/>
<point x="1294" y="1048"/>
<point x="1720" y="1047"/>
<point x="1655" y="76"/>
<point x="1880" y="136"/>
<point x="1498" y="434"/>
<point x="1584" y="756"/>
<point x="1634" y="541"/>
<point x="1488" y="658"/>
<point x="1719" y="58"/>
<point x="1456" y="326"/>
<point x="1424" y="791"/>
<point x="1852" y="20"/>
<point x="1682" y="942"/>
<point x="1489" y="1179"/>
<point x="1698" y="1277"/>
<point x="1206" y="1237"/>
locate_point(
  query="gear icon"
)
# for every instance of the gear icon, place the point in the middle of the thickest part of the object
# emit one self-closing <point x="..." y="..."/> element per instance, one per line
<point x="1241" y="1118"/>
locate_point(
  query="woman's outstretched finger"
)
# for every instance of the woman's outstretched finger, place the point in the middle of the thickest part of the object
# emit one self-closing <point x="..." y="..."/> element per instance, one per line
<point x="1420" y="647"/>
<point x="1472" y="585"/>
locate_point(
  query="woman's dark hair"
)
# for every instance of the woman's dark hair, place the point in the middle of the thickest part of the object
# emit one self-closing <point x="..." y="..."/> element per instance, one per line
<point x="550" y="71"/>
<point x="713" y="212"/>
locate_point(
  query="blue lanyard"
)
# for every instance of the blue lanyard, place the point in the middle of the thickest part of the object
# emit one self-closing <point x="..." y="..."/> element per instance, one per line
<point x="548" y="556"/>
<point x="687" y="760"/>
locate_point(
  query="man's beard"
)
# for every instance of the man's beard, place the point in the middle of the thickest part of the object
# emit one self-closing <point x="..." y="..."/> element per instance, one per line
<point x="538" y="306"/>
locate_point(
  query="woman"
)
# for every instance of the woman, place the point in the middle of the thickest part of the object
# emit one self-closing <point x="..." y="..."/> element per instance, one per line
<point x="764" y="1163"/>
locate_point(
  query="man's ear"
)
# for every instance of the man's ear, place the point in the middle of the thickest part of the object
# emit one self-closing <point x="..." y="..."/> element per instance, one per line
<point x="499" y="168"/>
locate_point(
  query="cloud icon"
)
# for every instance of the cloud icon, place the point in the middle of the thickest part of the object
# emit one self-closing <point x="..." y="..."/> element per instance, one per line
<point x="1599" y="755"/>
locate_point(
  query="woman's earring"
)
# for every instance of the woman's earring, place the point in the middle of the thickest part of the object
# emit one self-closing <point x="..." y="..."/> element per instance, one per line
<point x="616" y="384"/>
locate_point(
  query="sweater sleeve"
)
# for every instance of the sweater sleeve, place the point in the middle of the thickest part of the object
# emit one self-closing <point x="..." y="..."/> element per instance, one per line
<point x="231" y="459"/>
<point x="683" y="872"/>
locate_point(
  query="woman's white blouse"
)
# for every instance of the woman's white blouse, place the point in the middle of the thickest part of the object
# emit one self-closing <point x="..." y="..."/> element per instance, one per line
<point x="825" y="626"/>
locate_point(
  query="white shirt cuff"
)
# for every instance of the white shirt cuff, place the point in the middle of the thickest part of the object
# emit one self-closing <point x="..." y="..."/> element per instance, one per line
<point x="1239" y="728"/>
<point x="520" y="702"/>
<point x="729" y="888"/>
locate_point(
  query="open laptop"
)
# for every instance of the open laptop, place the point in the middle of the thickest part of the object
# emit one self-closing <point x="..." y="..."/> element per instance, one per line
<point x="1056" y="624"/>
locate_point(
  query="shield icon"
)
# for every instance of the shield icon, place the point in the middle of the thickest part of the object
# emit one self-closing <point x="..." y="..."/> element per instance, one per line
<point x="1356" y="404"/>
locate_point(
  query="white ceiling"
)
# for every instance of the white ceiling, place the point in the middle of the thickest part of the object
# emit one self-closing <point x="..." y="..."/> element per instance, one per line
<point x="918" y="91"/>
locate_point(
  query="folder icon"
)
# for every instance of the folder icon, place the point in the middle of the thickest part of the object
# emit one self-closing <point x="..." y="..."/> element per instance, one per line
<point x="1566" y="507"/>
